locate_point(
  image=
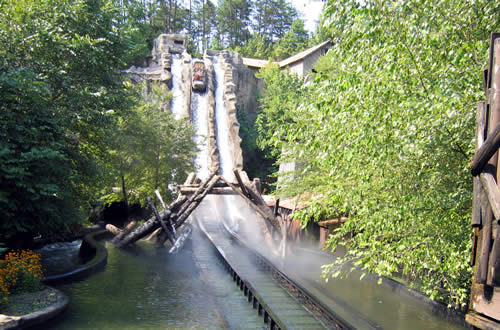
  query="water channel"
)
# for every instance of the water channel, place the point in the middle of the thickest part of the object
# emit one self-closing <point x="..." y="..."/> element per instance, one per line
<point x="147" y="288"/>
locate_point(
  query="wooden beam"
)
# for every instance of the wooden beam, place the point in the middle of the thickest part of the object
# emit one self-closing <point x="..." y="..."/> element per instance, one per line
<point x="494" y="262"/>
<point x="170" y="235"/>
<point x="326" y="223"/>
<point x="213" y="191"/>
<point x="190" y="179"/>
<point x="260" y="202"/>
<point x="195" y="194"/>
<point x="240" y="182"/>
<point x="485" y="152"/>
<point x="481" y="322"/>
<point x="182" y="216"/>
<point x="484" y="252"/>
<point x="492" y="192"/>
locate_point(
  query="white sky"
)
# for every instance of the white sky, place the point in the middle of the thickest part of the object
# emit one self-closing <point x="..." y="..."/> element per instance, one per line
<point x="310" y="11"/>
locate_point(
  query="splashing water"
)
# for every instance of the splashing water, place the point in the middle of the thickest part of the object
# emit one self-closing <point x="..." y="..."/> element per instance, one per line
<point x="222" y="123"/>
<point x="200" y="121"/>
<point x="178" y="99"/>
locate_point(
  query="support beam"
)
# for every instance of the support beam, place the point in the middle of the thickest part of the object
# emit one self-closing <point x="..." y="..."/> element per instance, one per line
<point x="163" y="225"/>
<point x="194" y="202"/>
<point x="213" y="191"/>
<point x="492" y="192"/>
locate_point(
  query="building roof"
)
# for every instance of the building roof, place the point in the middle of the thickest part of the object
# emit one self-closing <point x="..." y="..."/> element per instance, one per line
<point x="258" y="63"/>
<point x="254" y="62"/>
<point x="303" y="54"/>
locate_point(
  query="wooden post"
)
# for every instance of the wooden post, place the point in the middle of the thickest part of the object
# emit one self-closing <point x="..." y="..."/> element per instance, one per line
<point x="240" y="182"/>
<point x="276" y="207"/>
<point x="170" y="235"/>
<point x="494" y="261"/>
<point x="169" y="220"/>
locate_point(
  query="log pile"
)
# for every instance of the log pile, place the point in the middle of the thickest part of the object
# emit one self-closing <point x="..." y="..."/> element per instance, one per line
<point x="167" y="221"/>
<point x="485" y="290"/>
<point x="164" y="224"/>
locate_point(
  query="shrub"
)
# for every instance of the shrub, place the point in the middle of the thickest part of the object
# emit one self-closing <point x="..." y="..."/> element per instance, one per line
<point x="20" y="271"/>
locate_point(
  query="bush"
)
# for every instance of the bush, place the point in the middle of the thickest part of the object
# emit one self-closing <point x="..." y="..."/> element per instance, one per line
<point x="20" y="272"/>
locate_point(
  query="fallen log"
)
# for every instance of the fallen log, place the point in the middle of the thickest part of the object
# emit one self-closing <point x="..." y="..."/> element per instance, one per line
<point x="145" y="229"/>
<point x="113" y="229"/>
<point x="154" y="234"/>
<point x="150" y="225"/>
<point x="128" y="228"/>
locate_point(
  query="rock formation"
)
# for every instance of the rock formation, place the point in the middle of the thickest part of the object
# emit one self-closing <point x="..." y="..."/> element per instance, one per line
<point x="171" y="66"/>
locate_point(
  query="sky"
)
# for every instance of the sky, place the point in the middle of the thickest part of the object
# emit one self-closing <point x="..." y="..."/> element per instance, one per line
<point x="310" y="11"/>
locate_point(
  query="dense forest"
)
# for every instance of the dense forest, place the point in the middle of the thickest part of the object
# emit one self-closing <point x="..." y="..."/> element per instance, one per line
<point x="383" y="129"/>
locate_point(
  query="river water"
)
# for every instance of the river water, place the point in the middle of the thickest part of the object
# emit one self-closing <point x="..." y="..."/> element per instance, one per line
<point x="147" y="288"/>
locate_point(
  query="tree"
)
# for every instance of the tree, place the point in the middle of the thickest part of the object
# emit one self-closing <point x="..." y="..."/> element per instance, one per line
<point x="150" y="150"/>
<point x="64" y="107"/>
<point x="293" y="41"/>
<point x="386" y="133"/>
<point x="233" y="22"/>
<point x="273" y="18"/>
<point x="57" y="69"/>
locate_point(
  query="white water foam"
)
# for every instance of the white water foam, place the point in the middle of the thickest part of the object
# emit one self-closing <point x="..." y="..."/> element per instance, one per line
<point x="200" y="120"/>
<point x="222" y="124"/>
<point x="178" y="100"/>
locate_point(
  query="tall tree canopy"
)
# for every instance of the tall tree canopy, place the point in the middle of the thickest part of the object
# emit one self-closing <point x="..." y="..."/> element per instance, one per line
<point x="385" y="133"/>
<point x="61" y="106"/>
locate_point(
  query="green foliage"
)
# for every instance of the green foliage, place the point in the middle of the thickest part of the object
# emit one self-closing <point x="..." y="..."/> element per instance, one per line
<point x="278" y="107"/>
<point x="150" y="150"/>
<point x="257" y="163"/>
<point x="291" y="42"/>
<point x="386" y="133"/>
<point x="57" y="81"/>
<point x="35" y="170"/>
